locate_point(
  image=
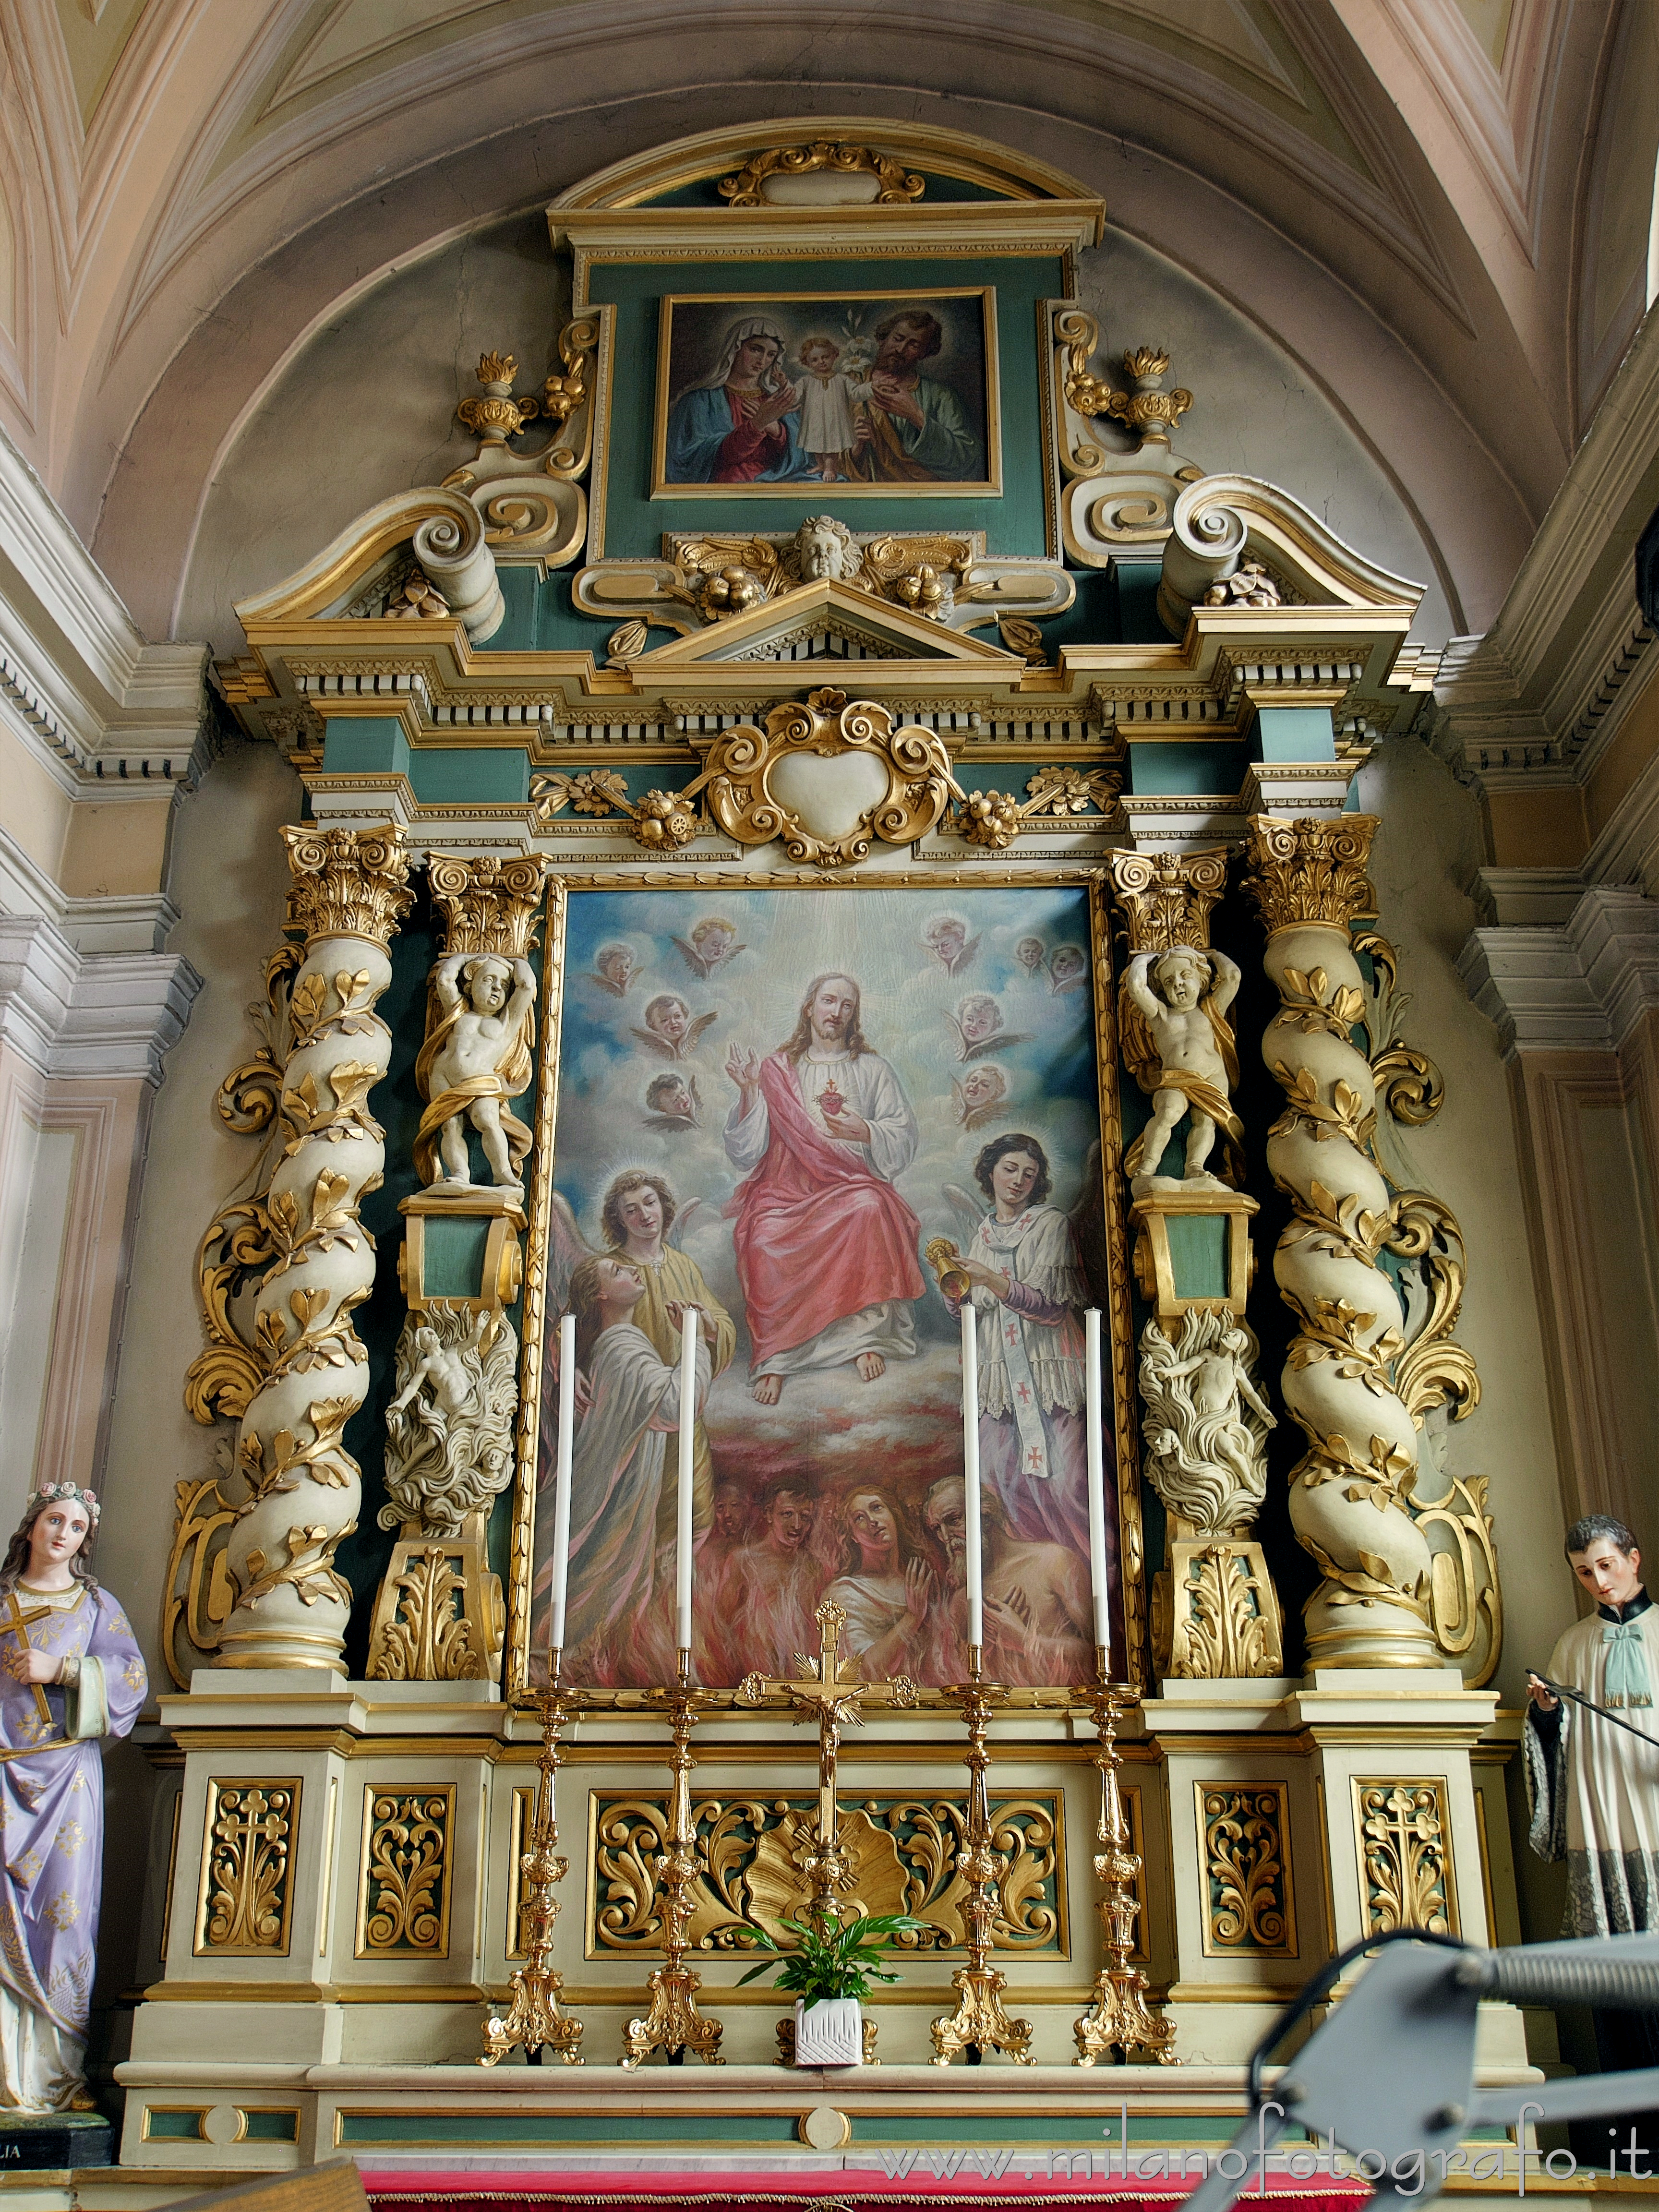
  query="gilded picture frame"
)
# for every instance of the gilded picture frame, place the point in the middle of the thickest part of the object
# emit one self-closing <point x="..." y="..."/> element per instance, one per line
<point x="579" y="1141"/>
<point x="897" y="395"/>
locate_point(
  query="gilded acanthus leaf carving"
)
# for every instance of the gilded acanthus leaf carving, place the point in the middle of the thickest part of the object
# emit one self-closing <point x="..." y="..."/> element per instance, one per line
<point x="901" y="1855"/>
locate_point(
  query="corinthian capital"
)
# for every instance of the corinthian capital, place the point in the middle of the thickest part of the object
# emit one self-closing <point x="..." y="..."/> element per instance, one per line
<point x="347" y="883"/>
<point x="1308" y="872"/>
<point x="1166" y="897"/>
<point x="489" y="905"/>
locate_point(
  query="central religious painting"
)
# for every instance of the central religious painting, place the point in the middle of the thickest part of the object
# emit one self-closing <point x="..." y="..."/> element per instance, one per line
<point x="824" y="1119"/>
<point x="769" y="392"/>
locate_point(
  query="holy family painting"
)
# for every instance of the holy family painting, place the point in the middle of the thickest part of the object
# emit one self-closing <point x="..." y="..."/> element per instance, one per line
<point x="802" y="1114"/>
<point x="797" y="1111"/>
<point x="769" y="393"/>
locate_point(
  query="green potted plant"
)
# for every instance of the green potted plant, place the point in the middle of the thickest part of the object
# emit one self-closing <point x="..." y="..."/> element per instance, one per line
<point x="829" y="1969"/>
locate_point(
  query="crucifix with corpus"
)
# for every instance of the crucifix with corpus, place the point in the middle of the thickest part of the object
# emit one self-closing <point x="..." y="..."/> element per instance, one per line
<point x="822" y="1687"/>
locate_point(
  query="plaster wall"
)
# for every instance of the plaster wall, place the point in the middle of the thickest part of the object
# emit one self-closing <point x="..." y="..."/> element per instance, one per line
<point x="366" y="408"/>
<point x="230" y="878"/>
<point x="1426" y="852"/>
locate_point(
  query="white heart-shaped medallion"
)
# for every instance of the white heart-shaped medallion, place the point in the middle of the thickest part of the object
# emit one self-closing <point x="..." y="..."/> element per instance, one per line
<point x="831" y="796"/>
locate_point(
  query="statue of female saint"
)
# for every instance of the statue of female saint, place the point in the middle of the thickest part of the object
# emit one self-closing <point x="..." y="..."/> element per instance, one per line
<point x="71" y="1672"/>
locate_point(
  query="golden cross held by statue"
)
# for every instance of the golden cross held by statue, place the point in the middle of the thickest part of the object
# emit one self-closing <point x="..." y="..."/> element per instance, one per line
<point x="822" y="1687"/>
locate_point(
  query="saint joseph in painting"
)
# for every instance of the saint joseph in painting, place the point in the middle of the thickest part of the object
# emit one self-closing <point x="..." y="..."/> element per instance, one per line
<point x="826" y="1247"/>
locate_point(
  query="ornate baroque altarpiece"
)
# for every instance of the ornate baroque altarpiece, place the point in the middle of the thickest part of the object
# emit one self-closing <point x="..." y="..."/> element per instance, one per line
<point x="825" y="796"/>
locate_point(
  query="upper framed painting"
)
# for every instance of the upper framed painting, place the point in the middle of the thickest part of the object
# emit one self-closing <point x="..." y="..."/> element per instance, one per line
<point x="824" y="1117"/>
<point x="771" y="393"/>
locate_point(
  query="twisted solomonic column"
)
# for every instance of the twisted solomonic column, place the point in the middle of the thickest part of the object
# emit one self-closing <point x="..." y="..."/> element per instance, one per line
<point x="1373" y="1608"/>
<point x="303" y="1488"/>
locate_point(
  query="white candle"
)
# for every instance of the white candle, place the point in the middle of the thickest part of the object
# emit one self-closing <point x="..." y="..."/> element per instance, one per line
<point x="561" y="1481"/>
<point x="1092" y="1415"/>
<point x="688" y="1436"/>
<point x="970" y="1471"/>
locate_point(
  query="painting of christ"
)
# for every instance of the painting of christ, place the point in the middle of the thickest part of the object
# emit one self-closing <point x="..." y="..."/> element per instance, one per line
<point x="793" y="1211"/>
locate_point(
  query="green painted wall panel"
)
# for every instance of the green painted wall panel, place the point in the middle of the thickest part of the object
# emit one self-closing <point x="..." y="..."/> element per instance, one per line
<point x="1207" y="766"/>
<point x="479" y="775"/>
<point x="455" y="1255"/>
<point x="1293" y="734"/>
<point x="1015" y="522"/>
<point x="1198" y="1252"/>
<point x="365" y="746"/>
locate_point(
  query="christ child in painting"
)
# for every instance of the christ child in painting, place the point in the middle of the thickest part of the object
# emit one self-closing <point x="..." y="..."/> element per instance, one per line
<point x="1039" y="1612"/>
<point x="779" y="1586"/>
<point x="619" y="1627"/>
<point x="638" y="1211"/>
<point x="826" y="1247"/>
<point x="830" y="406"/>
<point x="886" y="1589"/>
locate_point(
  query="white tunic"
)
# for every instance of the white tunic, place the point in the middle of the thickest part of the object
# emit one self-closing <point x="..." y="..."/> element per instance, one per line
<point x="1595" y="1789"/>
<point x="827" y="421"/>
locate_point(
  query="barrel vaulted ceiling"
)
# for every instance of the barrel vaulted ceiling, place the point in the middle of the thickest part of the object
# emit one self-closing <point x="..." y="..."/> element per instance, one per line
<point x="1440" y="209"/>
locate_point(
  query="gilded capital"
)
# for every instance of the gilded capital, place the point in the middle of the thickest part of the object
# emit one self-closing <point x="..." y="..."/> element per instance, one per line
<point x="1165" y="898"/>
<point x="347" y="883"/>
<point x="1310" y="871"/>
<point x="489" y="905"/>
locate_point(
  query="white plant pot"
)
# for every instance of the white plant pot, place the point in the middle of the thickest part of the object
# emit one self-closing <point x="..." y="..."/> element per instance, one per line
<point x="829" y="2032"/>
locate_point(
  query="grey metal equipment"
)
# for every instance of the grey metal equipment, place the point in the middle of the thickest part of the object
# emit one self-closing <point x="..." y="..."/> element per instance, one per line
<point x="1391" y="2071"/>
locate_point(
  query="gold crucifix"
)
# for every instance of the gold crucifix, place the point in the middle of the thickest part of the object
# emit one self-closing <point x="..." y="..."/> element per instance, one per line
<point x="821" y="1686"/>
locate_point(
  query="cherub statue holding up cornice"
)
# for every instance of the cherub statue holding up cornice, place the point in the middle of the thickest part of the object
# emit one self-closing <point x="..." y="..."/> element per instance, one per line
<point x="477" y="1057"/>
<point x="1186" y="1059"/>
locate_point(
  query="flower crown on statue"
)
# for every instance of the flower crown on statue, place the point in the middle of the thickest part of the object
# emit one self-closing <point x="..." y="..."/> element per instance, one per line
<point x="66" y="1493"/>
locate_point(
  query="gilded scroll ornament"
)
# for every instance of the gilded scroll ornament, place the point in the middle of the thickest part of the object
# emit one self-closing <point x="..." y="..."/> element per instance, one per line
<point x="438" y="1617"/>
<point x="1405" y="1879"/>
<point x="404" y="1886"/>
<point x="901" y="1856"/>
<point x="747" y="779"/>
<point x="1215" y="1612"/>
<point x="247" y="1896"/>
<point x="994" y="818"/>
<point x="1146" y="408"/>
<point x="1244" y="1837"/>
<point x="894" y="185"/>
<point x="661" y="821"/>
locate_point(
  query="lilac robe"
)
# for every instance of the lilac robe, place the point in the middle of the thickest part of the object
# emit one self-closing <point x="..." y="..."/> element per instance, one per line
<point x="52" y="1806"/>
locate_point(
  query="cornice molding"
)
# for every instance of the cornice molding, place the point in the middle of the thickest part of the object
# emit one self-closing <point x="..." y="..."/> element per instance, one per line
<point x="84" y="690"/>
<point x="1576" y="988"/>
<point x="109" y="1015"/>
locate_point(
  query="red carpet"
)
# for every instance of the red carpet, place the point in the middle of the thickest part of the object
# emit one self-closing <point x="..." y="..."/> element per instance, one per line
<point x="612" y="2192"/>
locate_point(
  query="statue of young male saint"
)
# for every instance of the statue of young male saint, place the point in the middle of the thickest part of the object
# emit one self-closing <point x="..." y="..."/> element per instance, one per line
<point x="71" y="1674"/>
<point x="1594" y="1787"/>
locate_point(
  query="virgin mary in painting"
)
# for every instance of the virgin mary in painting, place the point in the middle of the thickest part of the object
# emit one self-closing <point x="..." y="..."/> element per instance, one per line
<point x="741" y="422"/>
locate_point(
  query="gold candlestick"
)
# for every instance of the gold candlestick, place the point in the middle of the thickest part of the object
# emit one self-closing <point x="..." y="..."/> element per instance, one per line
<point x="979" y="2021"/>
<point x="534" y="2018"/>
<point x="673" y="2024"/>
<point x="1118" y="2019"/>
